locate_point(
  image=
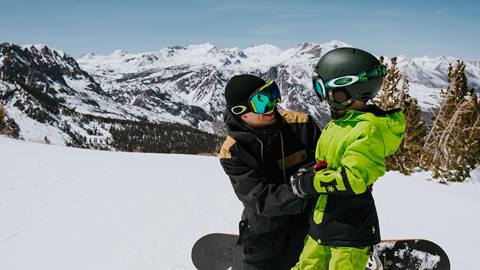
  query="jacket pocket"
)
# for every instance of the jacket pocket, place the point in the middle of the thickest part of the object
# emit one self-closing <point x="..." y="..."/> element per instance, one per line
<point x="292" y="160"/>
<point x="245" y="235"/>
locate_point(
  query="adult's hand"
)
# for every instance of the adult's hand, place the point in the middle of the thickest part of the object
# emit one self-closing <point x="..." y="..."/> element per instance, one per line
<point x="302" y="182"/>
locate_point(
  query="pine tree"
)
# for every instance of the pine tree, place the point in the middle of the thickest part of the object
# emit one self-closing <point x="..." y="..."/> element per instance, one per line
<point x="2" y="117"/>
<point x="407" y="156"/>
<point x="451" y="149"/>
<point x="466" y="149"/>
<point x="390" y="94"/>
<point x="473" y="133"/>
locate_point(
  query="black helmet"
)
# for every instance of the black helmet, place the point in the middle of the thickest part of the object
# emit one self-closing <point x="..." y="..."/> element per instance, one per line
<point x="344" y="75"/>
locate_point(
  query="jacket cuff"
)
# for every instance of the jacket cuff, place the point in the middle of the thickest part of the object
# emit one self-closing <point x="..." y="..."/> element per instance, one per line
<point x="307" y="183"/>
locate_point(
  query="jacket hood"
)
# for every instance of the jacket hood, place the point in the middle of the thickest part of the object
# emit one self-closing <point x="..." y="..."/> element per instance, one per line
<point x="391" y="124"/>
<point x="241" y="132"/>
<point x="232" y="122"/>
<point x="237" y="129"/>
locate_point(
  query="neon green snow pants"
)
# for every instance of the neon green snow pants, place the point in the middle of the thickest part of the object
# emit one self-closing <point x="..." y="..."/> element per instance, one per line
<point x="318" y="257"/>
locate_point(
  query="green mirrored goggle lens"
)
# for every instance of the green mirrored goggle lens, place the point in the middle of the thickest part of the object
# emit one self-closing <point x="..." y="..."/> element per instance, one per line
<point x="265" y="98"/>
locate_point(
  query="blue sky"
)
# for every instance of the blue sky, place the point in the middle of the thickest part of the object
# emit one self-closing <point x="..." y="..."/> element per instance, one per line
<point x="412" y="28"/>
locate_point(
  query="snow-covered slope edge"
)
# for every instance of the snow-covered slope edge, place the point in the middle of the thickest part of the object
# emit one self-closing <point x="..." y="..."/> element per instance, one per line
<point x="66" y="208"/>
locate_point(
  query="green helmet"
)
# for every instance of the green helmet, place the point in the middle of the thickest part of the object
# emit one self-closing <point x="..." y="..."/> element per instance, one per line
<point x="344" y="75"/>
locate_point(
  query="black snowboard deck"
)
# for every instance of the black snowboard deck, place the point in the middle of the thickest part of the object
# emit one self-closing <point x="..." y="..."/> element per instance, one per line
<point x="219" y="251"/>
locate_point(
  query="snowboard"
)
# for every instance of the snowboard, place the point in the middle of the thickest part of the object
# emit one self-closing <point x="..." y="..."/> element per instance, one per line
<point x="219" y="251"/>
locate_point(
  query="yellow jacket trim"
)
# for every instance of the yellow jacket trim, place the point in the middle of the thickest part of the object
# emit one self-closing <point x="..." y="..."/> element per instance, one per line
<point x="293" y="117"/>
<point x="225" y="150"/>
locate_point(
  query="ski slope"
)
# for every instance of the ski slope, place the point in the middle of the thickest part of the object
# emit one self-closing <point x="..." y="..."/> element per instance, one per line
<point x="65" y="208"/>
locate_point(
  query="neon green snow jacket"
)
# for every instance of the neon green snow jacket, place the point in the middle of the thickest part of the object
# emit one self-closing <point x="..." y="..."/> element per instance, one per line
<point x="357" y="143"/>
<point x="354" y="147"/>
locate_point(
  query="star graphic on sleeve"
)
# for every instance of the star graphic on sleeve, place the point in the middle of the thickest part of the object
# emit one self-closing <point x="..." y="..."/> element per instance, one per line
<point x="331" y="189"/>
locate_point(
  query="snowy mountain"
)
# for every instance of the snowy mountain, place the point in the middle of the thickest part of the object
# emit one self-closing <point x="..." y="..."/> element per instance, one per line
<point x="67" y="208"/>
<point x="49" y="98"/>
<point x="475" y="63"/>
<point x="197" y="75"/>
<point x="179" y="84"/>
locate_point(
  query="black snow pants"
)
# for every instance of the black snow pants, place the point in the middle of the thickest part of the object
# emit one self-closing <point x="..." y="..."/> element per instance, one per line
<point x="276" y="250"/>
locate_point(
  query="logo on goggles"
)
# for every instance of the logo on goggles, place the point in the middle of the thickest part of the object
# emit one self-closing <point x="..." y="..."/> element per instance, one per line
<point x="239" y="109"/>
<point x="342" y="81"/>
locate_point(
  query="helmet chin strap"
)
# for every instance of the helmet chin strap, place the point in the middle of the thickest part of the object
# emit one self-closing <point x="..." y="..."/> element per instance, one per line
<point x="337" y="106"/>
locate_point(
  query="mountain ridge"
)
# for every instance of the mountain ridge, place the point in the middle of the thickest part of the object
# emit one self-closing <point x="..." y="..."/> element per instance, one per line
<point x="182" y="84"/>
<point x="49" y="98"/>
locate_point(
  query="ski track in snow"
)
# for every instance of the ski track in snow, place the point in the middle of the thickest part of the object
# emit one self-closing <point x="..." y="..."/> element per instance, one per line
<point x="65" y="208"/>
<point x="14" y="234"/>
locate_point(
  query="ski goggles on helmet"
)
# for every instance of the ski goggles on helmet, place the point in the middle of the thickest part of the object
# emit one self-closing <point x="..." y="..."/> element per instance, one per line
<point x="323" y="89"/>
<point x="263" y="100"/>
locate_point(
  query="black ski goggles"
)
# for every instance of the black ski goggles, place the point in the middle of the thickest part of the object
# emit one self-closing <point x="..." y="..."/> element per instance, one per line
<point x="263" y="100"/>
<point x="324" y="89"/>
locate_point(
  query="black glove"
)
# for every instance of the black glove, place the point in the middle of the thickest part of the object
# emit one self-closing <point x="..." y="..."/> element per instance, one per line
<point x="302" y="183"/>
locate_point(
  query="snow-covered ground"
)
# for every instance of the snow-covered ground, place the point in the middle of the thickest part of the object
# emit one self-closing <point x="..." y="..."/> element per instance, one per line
<point x="65" y="208"/>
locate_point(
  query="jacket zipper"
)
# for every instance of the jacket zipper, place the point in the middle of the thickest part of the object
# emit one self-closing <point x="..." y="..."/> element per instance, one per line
<point x="283" y="157"/>
<point x="283" y="154"/>
<point x="261" y="150"/>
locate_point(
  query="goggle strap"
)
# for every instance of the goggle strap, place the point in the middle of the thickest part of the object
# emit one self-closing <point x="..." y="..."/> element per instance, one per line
<point x="378" y="71"/>
<point x="346" y="102"/>
<point x="252" y="104"/>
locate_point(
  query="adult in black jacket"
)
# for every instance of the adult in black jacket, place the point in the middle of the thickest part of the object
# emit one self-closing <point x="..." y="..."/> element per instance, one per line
<point x="263" y="149"/>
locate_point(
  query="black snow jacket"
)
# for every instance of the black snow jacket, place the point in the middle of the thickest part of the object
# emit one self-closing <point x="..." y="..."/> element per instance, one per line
<point x="259" y="164"/>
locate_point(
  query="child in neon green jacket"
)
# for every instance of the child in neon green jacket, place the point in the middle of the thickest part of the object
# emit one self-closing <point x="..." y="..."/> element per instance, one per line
<point x="351" y="150"/>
